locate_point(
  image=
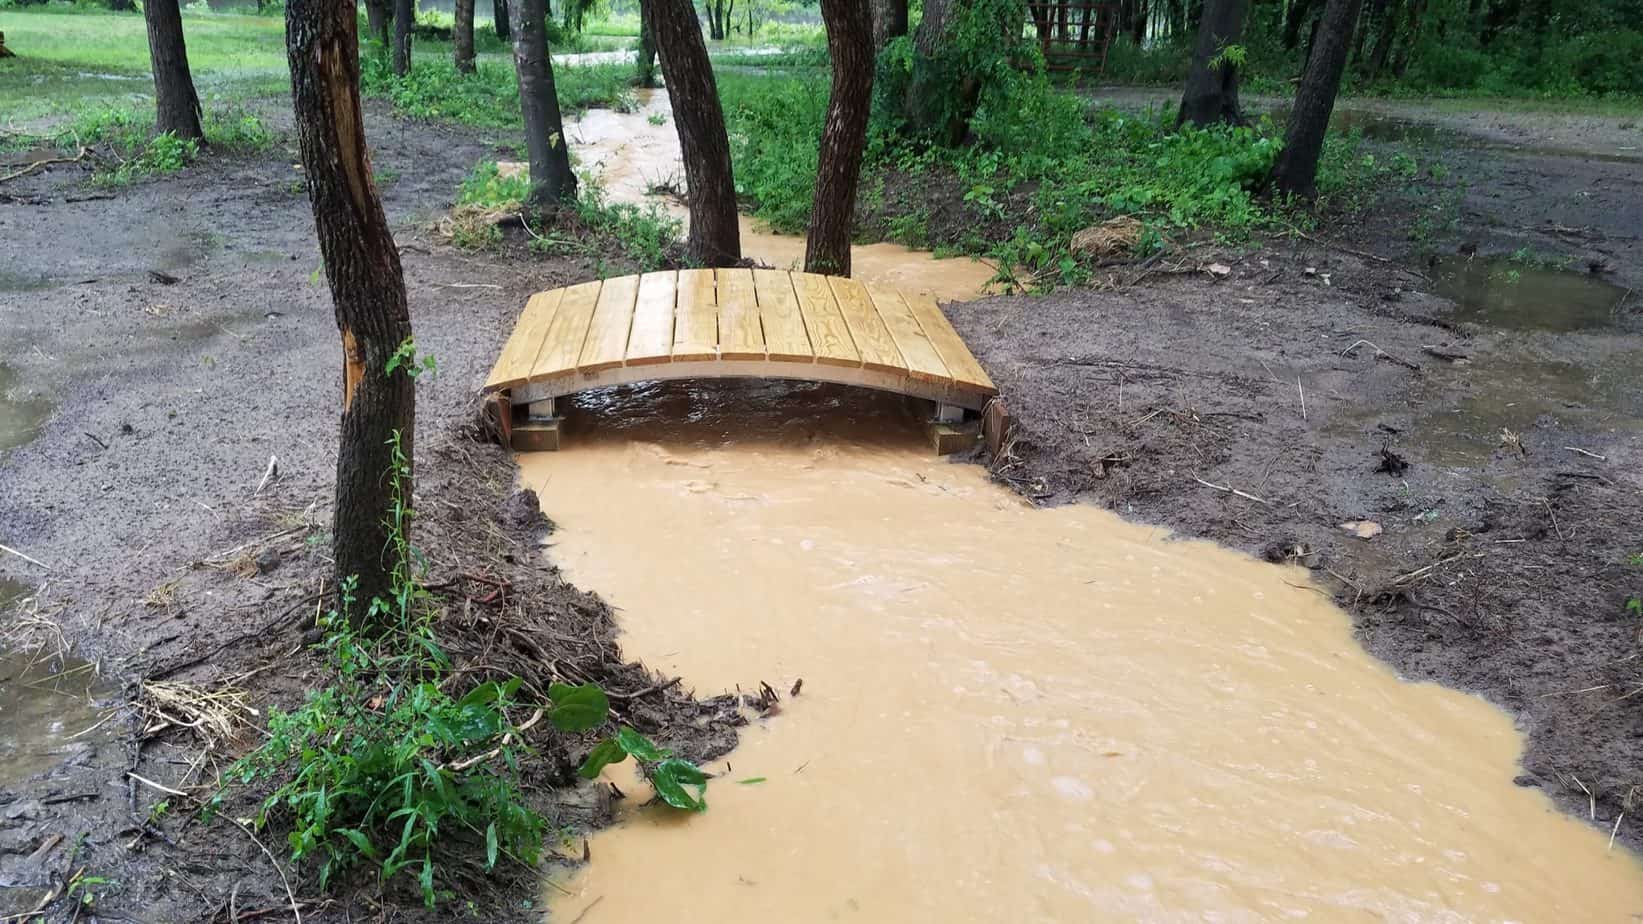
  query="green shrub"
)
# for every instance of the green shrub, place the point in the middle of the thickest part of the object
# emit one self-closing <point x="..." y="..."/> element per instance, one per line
<point x="489" y="97"/>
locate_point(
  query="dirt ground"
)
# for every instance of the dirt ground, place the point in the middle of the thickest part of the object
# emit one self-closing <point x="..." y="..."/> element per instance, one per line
<point x="1304" y="379"/>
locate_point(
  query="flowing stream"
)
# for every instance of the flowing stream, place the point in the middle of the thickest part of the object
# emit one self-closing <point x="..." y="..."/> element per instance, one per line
<point x="1008" y="714"/>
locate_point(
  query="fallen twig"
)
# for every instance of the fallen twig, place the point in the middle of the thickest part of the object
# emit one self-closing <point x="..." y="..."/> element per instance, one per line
<point x="1230" y="490"/>
<point x="44" y="162"/>
<point x="29" y="559"/>
<point x="1586" y="452"/>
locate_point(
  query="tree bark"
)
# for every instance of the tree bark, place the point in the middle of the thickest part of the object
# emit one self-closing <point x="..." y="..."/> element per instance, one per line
<point x="889" y="21"/>
<point x="176" y="105"/>
<point x="939" y="104"/>
<point x="367" y="288"/>
<point x="844" y="136"/>
<point x="552" y="180"/>
<point x="404" y="20"/>
<point x="1211" y="94"/>
<point x="379" y="19"/>
<point x="1299" y="10"/>
<point x="502" y="20"/>
<point x="1296" y="171"/>
<point x="714" y="238"/>
<point x="462" y="36"/>
<point x="645" y="62"/>
<point x="1387" y="30"/>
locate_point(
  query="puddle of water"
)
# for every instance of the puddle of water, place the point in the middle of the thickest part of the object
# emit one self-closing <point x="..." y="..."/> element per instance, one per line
<point x="630" y="155"/>
<point x="10" y="592"/>
<point x="23" y="282"/>
<point x="1513" y="296"/>
<point x="21" y="414"/>
<point x="1009" y="713"/>
<point x="46" y="709"/>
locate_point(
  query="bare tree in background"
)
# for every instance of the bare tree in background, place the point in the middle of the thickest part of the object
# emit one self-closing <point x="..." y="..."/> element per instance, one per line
<point x="404" y="21"/>
<point x="1296" y="171"/>
<point x="462" y="36"/>
<point x="645" y="62"/>
<point x="833" y="210"/>
<point x="367" y="287"/>
<point x="379" y="20"/>
<point x="176" y="105"/>
<point x="501" y="19"/>
<point x="552" y="181"/>
<point x="1211" y="94"/>
<point x="714" y="239"/>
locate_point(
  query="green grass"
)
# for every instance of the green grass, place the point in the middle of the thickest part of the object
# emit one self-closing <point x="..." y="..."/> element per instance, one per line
<point x="489" y="97"/>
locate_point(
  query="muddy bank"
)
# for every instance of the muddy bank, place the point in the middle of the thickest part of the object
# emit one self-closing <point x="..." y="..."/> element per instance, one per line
<point x="1307" y="390"/>
<point x="163" y="343"/>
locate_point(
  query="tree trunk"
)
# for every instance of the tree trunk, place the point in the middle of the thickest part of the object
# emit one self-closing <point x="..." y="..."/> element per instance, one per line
<point x="404" y="19"/>
<point x="462" y="36"/>
<point x="889" y="21"/>
<point x="646" y="60"/>
<point x="1387" y="31"/>
<point x="127" y="6"/>
<point x="939" y="104"/>
<point x="1212" y="92"/>
<point x="1296" y="171"/>
<point x="844" y="136"/>
<point x="501" y="20"/>
<point x="552" y="181"/>
<point x="1138" y="24"/>
<point x="1411" y="33"/>
<point x="367" y="288"/>
<point x="379" y="19"/>
<point x="1299" y="10"/>
<point x="714" y="238"/>
<point x="176" y="106"/>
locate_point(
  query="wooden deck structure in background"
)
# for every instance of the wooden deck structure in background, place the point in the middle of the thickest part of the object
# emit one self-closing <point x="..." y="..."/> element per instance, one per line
<point x="690" y="324"/>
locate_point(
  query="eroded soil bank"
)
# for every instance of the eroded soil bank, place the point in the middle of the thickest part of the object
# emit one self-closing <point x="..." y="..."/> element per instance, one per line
<point x="152" y="410"/>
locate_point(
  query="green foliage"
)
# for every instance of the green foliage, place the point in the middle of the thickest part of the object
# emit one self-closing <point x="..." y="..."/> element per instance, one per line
<point x="489" y="97"/>
<point x="386" y="762"/>
<point x="673" y="778"/>
<point x="486" y="186"/>
<point x="646" y="234"/>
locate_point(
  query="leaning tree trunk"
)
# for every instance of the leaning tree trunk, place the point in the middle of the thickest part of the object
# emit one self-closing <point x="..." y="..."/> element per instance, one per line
<point x="367" y="288"/>
<point x="176" y="105"/>
<point x="552" y="181"/>
<point x="714" y="238"/>
<point x="832" y="212"/>
<point x="1212" y="89"/>
<point x="462" y="36"/>
<point x="889" y="21"/>
<point x="1296" y="171"/>
<point x="646" y="59"/>
<point x="502" y="20"/>
<point x="404" y="21"/>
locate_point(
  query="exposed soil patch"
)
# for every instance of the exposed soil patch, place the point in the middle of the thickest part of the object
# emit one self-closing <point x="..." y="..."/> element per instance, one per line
<point x="180" y="331"/>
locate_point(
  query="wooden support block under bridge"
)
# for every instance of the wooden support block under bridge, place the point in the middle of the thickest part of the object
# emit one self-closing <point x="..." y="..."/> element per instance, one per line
<point x="737" y="323"/>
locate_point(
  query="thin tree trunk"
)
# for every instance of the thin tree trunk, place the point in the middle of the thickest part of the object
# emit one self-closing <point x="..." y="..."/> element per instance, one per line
<point x="552" y="181"/>
<point x="1212" y="92"/>
<point x="176" y="105"/>
<point x="1296" y="171"/>
<point x="502" y="20"/>
<point x="404" y="20"/>
<point x="1411" y="34"/>
<point x="462" y="36"/>
<point x="646" y="60"/>
<point x="889" y="21"/>
<point x="1387" y="30"/>
<point x="1299" y="10"/>
<point x="930" y="82"/>
<point x="714" y="238"/>
<point x="379" y="19"/>
<point x="367" y="288"/>
<point x="1138" y="24"/>
<point x="844" y="136"/>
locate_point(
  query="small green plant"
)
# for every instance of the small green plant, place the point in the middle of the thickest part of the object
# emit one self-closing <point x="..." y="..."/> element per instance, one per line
<point x="656" y="118"/>
<point x="406" y="358"/>
<point x="1634" y="603"/>
<point x="1237" y="56"/>
<point x="673" y="778"/>
<point x="82" y="889"/>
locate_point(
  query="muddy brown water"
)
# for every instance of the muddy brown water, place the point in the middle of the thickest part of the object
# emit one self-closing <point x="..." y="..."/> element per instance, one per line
<point x="1010" y="713"/>
<point x="1516" y="296"/>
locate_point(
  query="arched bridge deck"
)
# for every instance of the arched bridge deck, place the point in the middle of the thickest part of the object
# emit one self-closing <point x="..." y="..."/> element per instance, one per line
<point x="736" y="323"/>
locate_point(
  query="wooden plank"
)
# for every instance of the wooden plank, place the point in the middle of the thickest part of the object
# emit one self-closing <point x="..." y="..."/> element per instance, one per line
<point x="606" y="344"/>
<point x="966" y="371"/>
<point x="740" y="334"/>
<point x="696" y="317"/>
<point x="829" y="335"/>
<point x="651" y="340"/>
<point x="923" y="360"/>
<point x="570" y="327"/>
<point x="867" y="329"/>
<point x="519" y="354"/>
<point x="784" y="336"/>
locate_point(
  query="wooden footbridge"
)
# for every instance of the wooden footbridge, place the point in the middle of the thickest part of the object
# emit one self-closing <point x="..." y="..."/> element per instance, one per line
<point x="732" y="323"/>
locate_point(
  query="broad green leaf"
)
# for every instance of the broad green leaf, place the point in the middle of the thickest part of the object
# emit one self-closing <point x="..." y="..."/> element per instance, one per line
<point x="670" y="778"/>
<point x="360" y="841"/>
<point x="640" y="747"/>
<point x="490" y="846"/>
<point x="604" y="754"/>
<point x="577" y="709"/>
